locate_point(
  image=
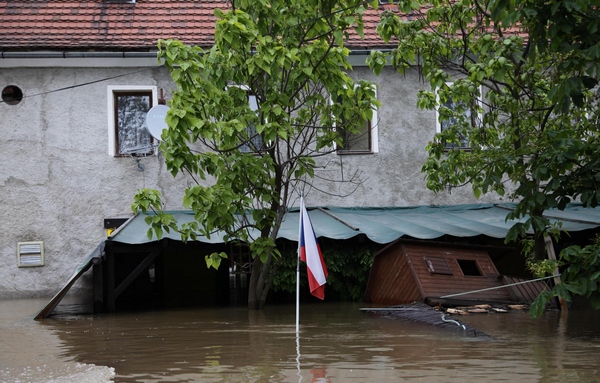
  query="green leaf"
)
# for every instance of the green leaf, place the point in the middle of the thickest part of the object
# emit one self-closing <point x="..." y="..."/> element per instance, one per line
<point x="537" y="307"/>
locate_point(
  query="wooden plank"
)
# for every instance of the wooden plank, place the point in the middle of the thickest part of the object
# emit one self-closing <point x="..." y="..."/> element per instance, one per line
<point x="98" y="286"/>
<point x="110" y="282"/>
<point x="136" y="272"/>
<point x="87" y="263"/>
<point x="525" y="292"/>
<point x="391" y="281"/>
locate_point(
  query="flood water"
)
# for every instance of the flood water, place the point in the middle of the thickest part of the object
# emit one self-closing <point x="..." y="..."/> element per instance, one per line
<point x="337" y="343"/>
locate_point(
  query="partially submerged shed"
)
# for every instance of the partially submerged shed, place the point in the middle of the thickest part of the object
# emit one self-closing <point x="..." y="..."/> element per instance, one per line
<point x="406" y="272"/>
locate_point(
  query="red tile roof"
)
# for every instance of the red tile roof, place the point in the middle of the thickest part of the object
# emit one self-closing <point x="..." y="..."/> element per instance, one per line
<point x="104" y="25"/>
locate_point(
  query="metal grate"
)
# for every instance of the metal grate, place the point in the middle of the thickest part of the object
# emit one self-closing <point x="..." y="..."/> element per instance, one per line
<point x="30" y="254"/>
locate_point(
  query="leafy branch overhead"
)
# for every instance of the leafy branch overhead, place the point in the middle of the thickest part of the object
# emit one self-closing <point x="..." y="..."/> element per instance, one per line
<point x="512" y="84"/>
<point x="252" y="114"/>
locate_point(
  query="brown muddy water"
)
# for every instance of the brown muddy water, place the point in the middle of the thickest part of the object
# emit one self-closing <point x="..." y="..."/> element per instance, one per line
<point x="337" y="343"/>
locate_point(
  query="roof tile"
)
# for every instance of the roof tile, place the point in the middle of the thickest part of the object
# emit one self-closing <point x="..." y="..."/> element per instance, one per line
<point x="69" y="24"/>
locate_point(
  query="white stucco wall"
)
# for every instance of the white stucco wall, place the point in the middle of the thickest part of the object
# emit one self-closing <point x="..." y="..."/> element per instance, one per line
<point x="58" y="182"/>
<point x="391" y="177"/>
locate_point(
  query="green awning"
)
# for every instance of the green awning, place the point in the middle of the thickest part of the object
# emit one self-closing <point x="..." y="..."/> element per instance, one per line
<point x="386" y="224"/>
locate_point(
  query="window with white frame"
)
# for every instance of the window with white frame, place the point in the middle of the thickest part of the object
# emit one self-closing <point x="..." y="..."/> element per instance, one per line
<point x="127" y="109"/>
<point x="468" y="112"/>
<point x="362" y="141"/>
<point x="255" y="142"/>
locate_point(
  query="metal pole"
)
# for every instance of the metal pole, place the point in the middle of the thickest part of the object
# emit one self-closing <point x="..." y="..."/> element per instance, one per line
<point x="497" y="287"/>
<point x="298" y="294"/>
<point x="298" y="266"/>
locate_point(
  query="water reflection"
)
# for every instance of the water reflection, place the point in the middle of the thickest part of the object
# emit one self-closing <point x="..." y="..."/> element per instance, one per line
<point x="338" y="343"/>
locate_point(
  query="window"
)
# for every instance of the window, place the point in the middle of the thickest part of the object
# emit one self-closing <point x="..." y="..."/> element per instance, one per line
<point x="127" y="109"/>
<point x="255" y="141"/>
<point x="468" y="113"/>
<point x="364" y="141"/>
<point x="357" y="142"/>
<point x="469" y="267"/>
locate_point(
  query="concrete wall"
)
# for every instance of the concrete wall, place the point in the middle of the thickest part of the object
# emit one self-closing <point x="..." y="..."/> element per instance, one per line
<point x="58" y="183"/>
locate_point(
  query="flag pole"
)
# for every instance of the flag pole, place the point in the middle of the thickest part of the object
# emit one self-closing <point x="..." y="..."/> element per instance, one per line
<point x="298" y="268"/>
<point x="298" y="296"/>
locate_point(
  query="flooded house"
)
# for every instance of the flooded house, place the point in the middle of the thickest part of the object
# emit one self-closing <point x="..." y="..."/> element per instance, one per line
<point x="69" y="175"/>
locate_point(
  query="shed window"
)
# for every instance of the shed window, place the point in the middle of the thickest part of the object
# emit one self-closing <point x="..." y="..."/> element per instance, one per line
<point x="437" y="265"/>
<point x="469" y="267"/>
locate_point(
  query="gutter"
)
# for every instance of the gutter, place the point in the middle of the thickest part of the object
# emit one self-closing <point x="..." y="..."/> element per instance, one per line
<point x="117" y="54"/>
<point x="23" y="59"/>
<point x="67" y="55"/>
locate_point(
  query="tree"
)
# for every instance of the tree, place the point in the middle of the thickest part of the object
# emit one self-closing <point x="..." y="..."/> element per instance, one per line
<point x="251" y="116"/>
<point x="567" y="28"/>
<point x="495" y="91"/>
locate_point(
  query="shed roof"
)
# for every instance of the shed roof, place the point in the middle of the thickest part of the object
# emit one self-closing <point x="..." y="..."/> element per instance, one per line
<point x="104" y="25"/>
<point x="386" y="224"/>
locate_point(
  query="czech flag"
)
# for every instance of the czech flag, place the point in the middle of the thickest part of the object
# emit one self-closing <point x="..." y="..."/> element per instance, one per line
<point x="310" y="253"/>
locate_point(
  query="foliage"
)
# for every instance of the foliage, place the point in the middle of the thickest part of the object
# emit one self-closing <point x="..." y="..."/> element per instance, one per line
<point x="348" y="264"/>
<point x="250" y="161"/>
<point x="504" y="94"/>
<point x="580" y="276"/>
<point x="565" y="28"/>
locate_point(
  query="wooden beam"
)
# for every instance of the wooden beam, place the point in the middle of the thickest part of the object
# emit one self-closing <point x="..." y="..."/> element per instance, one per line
<point x="552" y="255"/>
<point x="110" y="282"/>
<point x="98" y="285"/>
<point x="136" y="272"/>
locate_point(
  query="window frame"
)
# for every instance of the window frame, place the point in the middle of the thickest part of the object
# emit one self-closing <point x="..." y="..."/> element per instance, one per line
<point x="438" y="124"/>
<point x="249" y="94"/>
<point x="466" y="265"/>
<point x="373" y="136"/>
<point x="112" y="91"/>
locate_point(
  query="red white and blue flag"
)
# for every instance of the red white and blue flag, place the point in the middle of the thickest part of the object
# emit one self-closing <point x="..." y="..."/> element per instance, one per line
<point x="310" y="253"/>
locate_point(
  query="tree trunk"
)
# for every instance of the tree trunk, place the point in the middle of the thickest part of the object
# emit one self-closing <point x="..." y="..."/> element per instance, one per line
<point x="253" y="299"/>
<point x="260" y="280"/>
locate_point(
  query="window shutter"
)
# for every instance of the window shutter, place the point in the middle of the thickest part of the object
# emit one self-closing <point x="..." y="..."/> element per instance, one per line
<point x="437" y="265"/>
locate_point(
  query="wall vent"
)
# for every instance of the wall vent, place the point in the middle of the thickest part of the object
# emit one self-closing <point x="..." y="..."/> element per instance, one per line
<point x="30" y="254"/>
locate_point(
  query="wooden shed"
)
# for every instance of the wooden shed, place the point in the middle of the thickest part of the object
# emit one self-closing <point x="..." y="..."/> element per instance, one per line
<point x="406" y="272"/>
